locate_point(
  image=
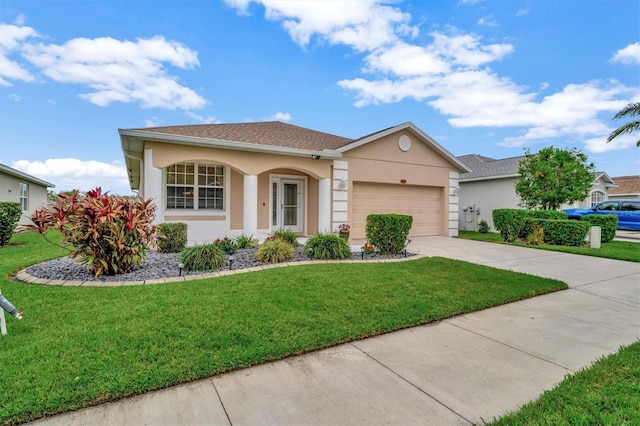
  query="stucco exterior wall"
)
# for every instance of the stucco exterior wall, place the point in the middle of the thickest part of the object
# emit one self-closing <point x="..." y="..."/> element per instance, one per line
<point x="382" y="161"/>
<point x="487" y="195"/>
<point x="10" y="191"/>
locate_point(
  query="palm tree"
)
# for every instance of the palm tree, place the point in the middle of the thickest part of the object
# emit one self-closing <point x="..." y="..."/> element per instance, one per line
<point x="631" y="110"/>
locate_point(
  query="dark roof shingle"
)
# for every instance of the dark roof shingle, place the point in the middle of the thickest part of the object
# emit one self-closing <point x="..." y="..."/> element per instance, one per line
<point x="485" y="167"/>
<point x="626" y="185"/>
<point x="273" y="133"/>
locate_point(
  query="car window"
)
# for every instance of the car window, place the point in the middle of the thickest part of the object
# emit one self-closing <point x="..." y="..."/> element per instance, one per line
<point x="631" y="206"/>
<point x="608" y="206"/>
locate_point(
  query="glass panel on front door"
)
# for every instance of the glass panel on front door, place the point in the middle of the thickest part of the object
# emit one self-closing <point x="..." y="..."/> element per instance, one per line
<point x="290" y="198"/>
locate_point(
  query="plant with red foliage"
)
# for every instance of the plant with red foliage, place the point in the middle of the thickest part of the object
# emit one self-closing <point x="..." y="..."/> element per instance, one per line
<point x="109" y="233"/>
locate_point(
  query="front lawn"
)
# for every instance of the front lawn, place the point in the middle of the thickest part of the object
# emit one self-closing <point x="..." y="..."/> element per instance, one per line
<point x="607" y="393"/>
<point x="619" y="250"/>
<point x="80" y="346"/>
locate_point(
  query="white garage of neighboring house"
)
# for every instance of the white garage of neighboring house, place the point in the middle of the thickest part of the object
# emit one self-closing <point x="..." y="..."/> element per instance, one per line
<point x="253" y="178"/>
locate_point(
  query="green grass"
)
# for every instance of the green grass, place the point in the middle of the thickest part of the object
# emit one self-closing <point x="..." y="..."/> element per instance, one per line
<point x="619" y="250"/>
<point x="607" y="393"/>
<point x="80" y="346"/>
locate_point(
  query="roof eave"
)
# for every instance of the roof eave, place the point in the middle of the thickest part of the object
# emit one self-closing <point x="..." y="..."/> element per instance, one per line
<point x="25" y="176"/>
<point x="488" y="178"/>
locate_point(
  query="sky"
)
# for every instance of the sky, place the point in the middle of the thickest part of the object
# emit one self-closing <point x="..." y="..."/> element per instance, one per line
<point x="479" y="76"/>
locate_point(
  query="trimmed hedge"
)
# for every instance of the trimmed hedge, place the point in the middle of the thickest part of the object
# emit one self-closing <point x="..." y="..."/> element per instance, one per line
<point x="512" y="223"/>
<point x="327" y="246"/>
<point x="388" y="232"/>
<point x="608" y="223"/>
<point x="9" y="216"/>
<point x="509" y="222"/>
<point x="171" y="237"/>
<point x="561" y="232"/>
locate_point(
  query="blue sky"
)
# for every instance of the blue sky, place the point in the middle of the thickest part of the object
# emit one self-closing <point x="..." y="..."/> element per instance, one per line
<point x="479" y="76"/>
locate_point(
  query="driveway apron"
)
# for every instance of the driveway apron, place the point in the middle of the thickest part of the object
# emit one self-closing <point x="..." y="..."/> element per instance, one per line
<point x="467" y="369"/>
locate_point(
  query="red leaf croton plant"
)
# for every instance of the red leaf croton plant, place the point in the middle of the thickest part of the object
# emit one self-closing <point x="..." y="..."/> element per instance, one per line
<point x="109" y="233"/>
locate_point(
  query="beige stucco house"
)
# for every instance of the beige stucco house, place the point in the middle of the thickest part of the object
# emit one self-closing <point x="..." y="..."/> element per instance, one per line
<point x="252" y="178"/>
<point x="20" y="187"/>
<point x="491" y="184"/>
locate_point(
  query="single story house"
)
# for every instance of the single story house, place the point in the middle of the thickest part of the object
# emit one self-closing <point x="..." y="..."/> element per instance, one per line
<point x="253" y="178"/>
<point x="628" y="188"/>
<point x="23" y="188"/>
<point x="491" y="184"/>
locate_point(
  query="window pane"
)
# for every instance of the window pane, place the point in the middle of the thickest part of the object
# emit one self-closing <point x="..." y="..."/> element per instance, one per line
<point x="179" y="197"/>
<point x="210" y="198"/>
<point x="274" y="203"/>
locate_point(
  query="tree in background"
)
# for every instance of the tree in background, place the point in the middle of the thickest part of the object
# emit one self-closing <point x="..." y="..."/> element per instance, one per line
<point x="553" y="177"/>
<point x="631" y="110"/>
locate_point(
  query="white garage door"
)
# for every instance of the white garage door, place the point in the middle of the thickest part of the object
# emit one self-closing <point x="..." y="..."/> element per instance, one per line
<point x="424" y="203"/>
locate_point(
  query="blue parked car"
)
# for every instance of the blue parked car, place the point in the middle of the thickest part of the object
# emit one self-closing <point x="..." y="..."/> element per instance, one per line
<point x="628" y="212"/>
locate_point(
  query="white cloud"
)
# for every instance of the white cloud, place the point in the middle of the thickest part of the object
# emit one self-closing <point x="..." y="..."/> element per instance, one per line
<point x="203" y="119"/>
<point x="113" y="70"/>
<point x="280" y="116"/>
<point x="451" y="72"/>
<point x="12" y="39"/>
<point x="20" y="19"/>
<point x="71" y="173"/>
<point x="628" y="55"/>
<point x="120" y="71"/>
<point x="151" y="122"/>
<point x="488" y="21"/>
<point x="524" y="11"/>
<point x="15" y="98"/>
<point x="599" y="144"/>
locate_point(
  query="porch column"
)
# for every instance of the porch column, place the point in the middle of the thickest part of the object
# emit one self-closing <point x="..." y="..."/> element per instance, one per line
<point x="324" y="205"/>
<point x="250" y="205"/>
<point x="151" y="184"/>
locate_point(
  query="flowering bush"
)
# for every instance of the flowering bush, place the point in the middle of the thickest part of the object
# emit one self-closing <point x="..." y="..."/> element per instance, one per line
<point x="227" y="245"/>
<point x="368" y="248"/>
<point x="107" y="232"/>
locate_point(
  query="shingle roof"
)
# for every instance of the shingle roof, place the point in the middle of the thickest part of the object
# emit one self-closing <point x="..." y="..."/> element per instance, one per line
<point x="626" y="185"/>
<point x="485" y="167"/>
<point x="273" y="133"/>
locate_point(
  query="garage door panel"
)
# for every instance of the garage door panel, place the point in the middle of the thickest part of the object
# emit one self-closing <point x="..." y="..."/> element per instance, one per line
<point x="424" y="203"/>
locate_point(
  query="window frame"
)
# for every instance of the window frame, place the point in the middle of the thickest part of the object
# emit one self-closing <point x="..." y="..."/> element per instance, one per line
<point x="24" y="196"/>
<point x="597" y="193"/>
<point x="192" y="180"/>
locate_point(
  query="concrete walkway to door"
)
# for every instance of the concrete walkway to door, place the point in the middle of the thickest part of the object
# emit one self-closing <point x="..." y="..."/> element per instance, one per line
<point x="462" y="370"/>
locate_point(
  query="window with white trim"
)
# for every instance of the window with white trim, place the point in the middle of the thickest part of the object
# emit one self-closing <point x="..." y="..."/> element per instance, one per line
<point x="597" y="197"/>
<point x="195" y="186"/>
<point x="24" y="196"/>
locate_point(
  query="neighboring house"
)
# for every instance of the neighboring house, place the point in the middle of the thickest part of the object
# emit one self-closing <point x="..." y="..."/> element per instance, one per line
<point x="491" y="184"/>
<point x="252" y="178"/>
<point x="22" y="188"/>
<point x="628" y="188"/>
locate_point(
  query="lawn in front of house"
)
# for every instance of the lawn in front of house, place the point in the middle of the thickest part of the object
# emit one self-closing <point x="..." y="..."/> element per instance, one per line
<point x="80" y="346"/>
<point x="619" y="250"/>
<point x="606" y="393"/>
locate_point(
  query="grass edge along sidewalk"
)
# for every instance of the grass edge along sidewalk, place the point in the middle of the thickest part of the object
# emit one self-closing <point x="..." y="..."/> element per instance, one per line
<point x="619" y="250"/>
<point x="605" y="393"/>
<point x="81" y="346"/>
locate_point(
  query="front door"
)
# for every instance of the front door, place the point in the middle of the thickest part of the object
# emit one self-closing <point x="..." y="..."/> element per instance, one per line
<point x="287" y="203"/>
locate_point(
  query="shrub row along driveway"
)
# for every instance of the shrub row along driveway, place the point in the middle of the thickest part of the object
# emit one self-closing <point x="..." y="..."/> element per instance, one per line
<point x="464" y="369"/>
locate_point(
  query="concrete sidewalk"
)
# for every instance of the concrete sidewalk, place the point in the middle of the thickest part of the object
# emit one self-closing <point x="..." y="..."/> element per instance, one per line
<point x="463" y="370"/>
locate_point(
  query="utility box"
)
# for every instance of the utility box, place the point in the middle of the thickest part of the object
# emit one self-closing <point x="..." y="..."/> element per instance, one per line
<point x="595" y="236"/>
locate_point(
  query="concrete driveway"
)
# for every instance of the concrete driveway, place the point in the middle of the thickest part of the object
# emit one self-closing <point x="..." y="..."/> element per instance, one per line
<point x="462" y="370"/>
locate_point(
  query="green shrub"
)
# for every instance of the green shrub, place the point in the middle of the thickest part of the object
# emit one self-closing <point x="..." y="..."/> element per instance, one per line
<point x="202" y="257"/>
<point x="287" y="235"/>
<point x="327" y="246"/>
<point x="388" y="232"/>
<point x="244" y="241"/>
<point x="536" y="238"/>
<point x="561" y="232"/>
<point x="171" y="237"/>
<point x="227" y="245"/>
<point x="9" y="216"/>
<point x="509" y="222"/>
<point x="274" y="251"/>
<point x="483" y="227"/>
<point x="109" y="233"/>
<point x="539" y="214"/>
<point x="608" y="223"/>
